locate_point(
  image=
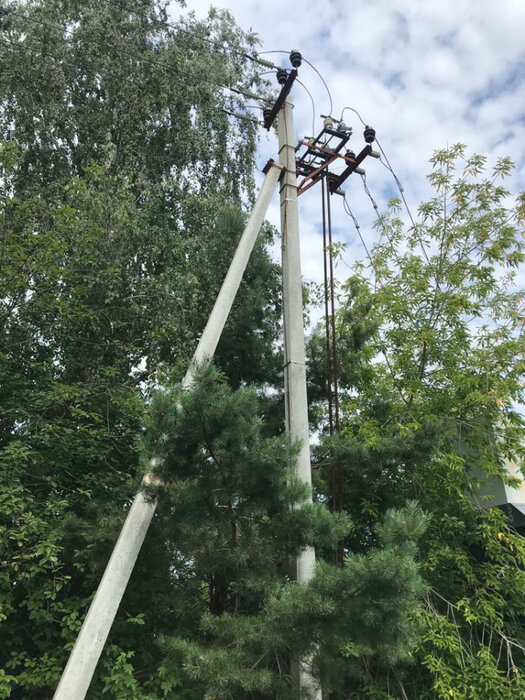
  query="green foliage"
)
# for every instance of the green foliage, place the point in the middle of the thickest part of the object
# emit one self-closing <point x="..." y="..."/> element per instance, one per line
<point x="234" y="514"/>
<point x="229" y="507"/>
<point x="429" y="413"/>
<point x="121" y="191"/>
<point x="123" y="181"/>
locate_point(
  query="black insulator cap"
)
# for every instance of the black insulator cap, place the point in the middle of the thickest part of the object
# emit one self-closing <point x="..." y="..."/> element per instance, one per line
<point x="350" y="154"/>
<point x="369" y="134"/>
<point x="267" y="113"/>
<point x="295" y="59"/>
<point x="282" y="76"/>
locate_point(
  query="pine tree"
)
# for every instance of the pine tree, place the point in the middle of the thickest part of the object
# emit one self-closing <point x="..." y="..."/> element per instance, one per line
<point x="233" y="515"/>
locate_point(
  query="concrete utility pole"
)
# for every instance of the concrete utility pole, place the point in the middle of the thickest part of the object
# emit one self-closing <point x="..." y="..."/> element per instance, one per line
<point x="84" y="657"/>
<point x="296" y="405"/>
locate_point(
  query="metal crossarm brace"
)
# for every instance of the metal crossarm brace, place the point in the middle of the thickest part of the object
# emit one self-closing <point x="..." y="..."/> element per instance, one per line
<point x="336" y="182"/>
<point x="268" y="121"/>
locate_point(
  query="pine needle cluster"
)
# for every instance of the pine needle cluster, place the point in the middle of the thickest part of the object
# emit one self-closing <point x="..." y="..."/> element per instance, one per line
<point x="235" y="514"/>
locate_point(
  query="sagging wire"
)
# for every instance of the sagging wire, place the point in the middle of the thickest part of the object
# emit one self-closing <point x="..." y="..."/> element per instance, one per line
<point x="69" y="64"/>
<point x="347" y="209"/>
<point x="324" y="83"/>
<point x="383" y="232"/>
<point x="312" y="101"/>
<point x="350" y="213"/>
<point x="138" y="57"/>
<point x="386" y="163"/>
<point x="381" y="222"/>
<point x="355" y="112"/>
<point x="141" y="58"/>
<point x="164" y="23"/>
<point x="244" y="117"/>
<point x="357" y="226"/>
<point x="259" y="53"/>
<point x="376" y="209"/>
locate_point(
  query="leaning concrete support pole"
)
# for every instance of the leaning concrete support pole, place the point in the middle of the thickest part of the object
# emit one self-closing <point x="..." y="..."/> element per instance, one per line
<point x="84" y="657"/>
<point x="232" y="281"/>
<point x="296" y="403"/>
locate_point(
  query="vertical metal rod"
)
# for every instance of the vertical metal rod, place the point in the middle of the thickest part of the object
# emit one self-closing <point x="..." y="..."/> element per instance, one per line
<point x="332" y="309"/>
<point x="338" y="467"/>
<point x="91" y="639"/>
<point x="294" y="359"/>
<point x="326" y="252"/>
<point x="324" y="194"/>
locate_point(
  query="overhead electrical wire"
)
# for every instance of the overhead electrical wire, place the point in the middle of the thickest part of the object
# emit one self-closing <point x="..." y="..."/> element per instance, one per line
<point x="357" y="226"/>
<point x="170" y="68"/>
<point x="231" y="113"/>
<point x="312" y="101"/>
<point x="43" y="52"/>
<point x="324" y="83"/>
<point x="376" y="209"/>
<point x="95" y="42"/>
<point x="355" y="112"/>
<point x="139" y="57"/>
<point x="386" y="163"/>
<point x="63" y="62"/>
<point x="252" y="57"/>
<point x="273" y="51"/>
<point x="260" y="53"/>
<point x="162" y="64"/>
<point x="382" y="227"/>
<point x="350" y="213"/>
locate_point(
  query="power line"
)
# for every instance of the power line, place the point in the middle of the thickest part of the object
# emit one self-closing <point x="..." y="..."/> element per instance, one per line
<point x="78" y="99"/>
<point x="356" y="112"/>
<point x="324" y="83"/>
<point x="164" y="23"/>
<point x="312" y="101"/>
<point x="386" y="163"/>
<point x="63" y="61"/>
<point x="351" y="214"/>
<point x="376" y="208"/>
<point x="152" y="61"/>
<point x="383" y="230"/>
<point x="313" y="68"/>
<point x="245" y="117"/>
<point x="139" y="57"/>
<point x="94" y="72"/>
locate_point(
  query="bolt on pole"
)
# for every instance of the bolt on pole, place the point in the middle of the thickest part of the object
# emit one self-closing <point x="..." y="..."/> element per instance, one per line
<point x="91" y="639"/>
<point x="296" y="404"/>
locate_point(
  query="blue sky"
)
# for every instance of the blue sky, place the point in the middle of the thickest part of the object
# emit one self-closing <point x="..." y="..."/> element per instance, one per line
<point x="424" y="74"/>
